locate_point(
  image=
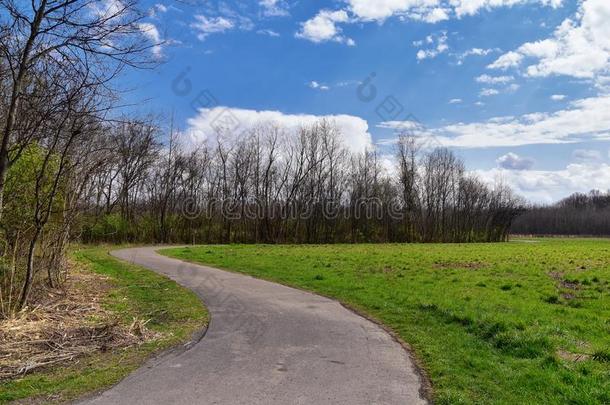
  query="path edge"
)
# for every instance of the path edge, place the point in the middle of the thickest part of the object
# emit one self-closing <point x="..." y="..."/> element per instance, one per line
<point x="155" y="358"/>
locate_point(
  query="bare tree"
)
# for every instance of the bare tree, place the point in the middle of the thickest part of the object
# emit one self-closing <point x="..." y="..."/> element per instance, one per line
<point x="268" y="185"/>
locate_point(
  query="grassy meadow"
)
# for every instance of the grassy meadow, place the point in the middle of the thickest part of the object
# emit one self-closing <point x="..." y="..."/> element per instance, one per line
<point x="519" y="322"/>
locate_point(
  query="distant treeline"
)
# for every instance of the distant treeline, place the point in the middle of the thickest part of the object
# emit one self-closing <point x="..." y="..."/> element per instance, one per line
<point x="271" y="185"/>
<point x="579" y="215"/>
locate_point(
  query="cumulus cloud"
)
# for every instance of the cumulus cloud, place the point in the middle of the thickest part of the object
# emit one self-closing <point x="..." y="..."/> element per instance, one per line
<point x="508" y="60"/>
<point x="209" y="123"/>
<point x="552" y="185"/>
<point x="274" y="8"/>
<point x="579" y="47"/>
<point x="487" y="79"/>
<point x="435" y="15"/>
<point x="461" y="57"/>
<point x="211" y="25"/>
<point x="429" y="15"/>
<point x="455" y="101"/>
<point x="512" y="161"/>
<point x="437" y="44"/>
<point x="488" y="92"/>
<point x="371" y="10"/>
<point x="158" y="8"/>
<point x="380" y="10"/>
<point x="472" y="7"/>
<point x="585" y="119"/>
<point x="476" y="52"/>
<point x="558" y="97"/>
<point x="411" y="126"/>
<point x="151" y="33"/>
<point x="106" y="9"/>
<point x="323" y="27"/>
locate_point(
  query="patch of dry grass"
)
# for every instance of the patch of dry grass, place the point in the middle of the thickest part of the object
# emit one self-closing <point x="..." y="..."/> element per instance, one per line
<point x="65" y="324"/>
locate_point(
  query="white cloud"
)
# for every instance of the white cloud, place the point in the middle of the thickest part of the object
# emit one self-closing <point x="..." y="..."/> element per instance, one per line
<point x="488" y="92"/>
<point x="380" y="10"/>
<point x="471" y="7"/>
<point x="317" y="86"/>
<point x="151" y="33"/>
<point x="494" y="79"/>
<point x="354" y="130"/>
<point x="558" y="97"/>
<point x="436" y="15"/>
<point x="512" y="161"/>
<point x="108" y="9"/>
<point x="274" y="8"/>
<point x="268" y="32"/>
<point x="473" y="52"/>
<point x="548" y="186"/>
<point x="508" y="60"/>
<point x="207" y="26"/>
<point x="431" y="16"/>
<point x="323" y="27"/>
<point x="477" y="52"/>
<point x="439" y="42"/>
<point x="157" y="8"/>
<point x="455" y="101"/>
<point x="579" y="47"/>
<point x="412" y="126"/>
<point x="585" y="119"/>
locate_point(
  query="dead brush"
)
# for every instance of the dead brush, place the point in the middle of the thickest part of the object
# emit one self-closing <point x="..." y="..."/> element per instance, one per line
<point x="63" y="326"/>
<point x="138" y="328"/>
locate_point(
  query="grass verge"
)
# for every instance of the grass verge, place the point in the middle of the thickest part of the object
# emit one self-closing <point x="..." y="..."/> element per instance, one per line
<point x="174" y="313"/>
<point x="491" y="323"/>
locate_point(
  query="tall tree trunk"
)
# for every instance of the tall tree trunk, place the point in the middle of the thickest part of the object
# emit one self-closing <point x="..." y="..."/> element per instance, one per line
<point x="29" y="276"/>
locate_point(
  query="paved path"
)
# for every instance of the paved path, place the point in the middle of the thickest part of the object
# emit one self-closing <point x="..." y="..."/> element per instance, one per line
<point x="268" y="344"/>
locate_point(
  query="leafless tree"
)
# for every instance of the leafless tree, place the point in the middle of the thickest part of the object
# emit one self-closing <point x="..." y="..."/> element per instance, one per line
<point x="268" y="185"/>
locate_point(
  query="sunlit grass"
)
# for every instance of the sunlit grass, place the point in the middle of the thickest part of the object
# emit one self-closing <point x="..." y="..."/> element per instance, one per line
<point x="492" y="323"/>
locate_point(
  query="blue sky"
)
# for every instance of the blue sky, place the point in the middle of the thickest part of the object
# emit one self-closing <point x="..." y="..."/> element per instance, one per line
<point x="519" y="88"/>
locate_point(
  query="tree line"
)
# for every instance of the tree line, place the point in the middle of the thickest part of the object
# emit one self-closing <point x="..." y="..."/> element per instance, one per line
<point x="272" y="185"/>
<point x="579" y="214"/>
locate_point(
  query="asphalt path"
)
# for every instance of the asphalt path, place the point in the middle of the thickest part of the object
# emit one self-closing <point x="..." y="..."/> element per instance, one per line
<point x="268" y="344"/>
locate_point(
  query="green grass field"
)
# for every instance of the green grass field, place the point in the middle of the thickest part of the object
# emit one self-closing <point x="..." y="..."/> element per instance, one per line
<point x="136" y="293"/>
<point x="514" y="323"/>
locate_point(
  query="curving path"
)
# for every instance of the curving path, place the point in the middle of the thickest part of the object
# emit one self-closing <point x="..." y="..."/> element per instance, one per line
<point x="268" y="344"/>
